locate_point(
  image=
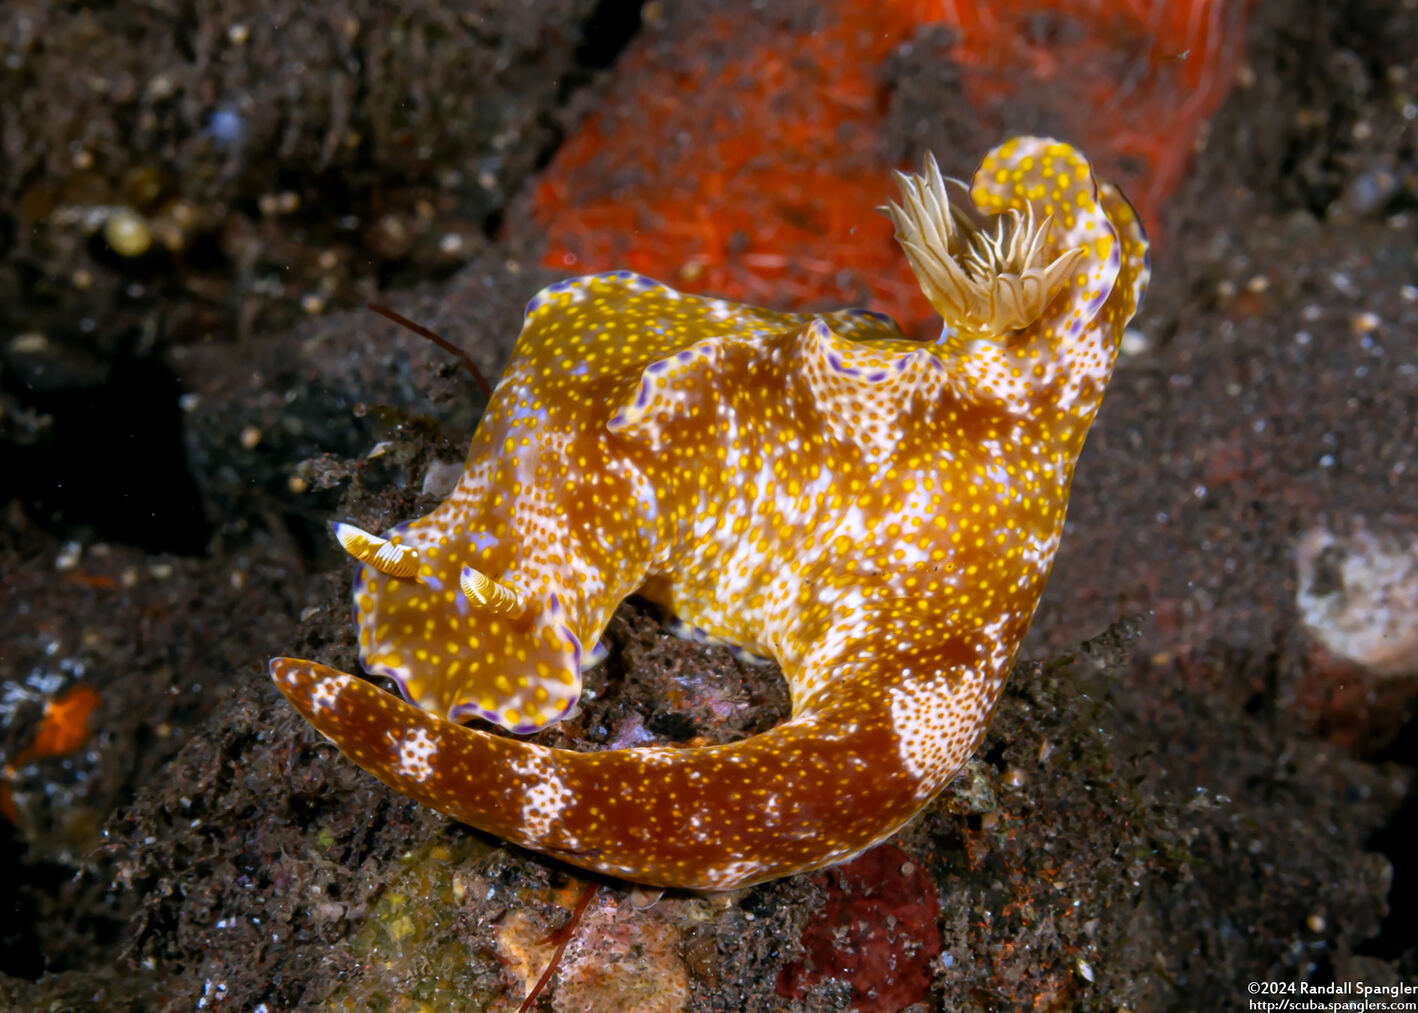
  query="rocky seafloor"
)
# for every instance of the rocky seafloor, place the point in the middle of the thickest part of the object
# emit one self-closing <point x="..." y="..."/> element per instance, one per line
<point x="1201" y="776"/>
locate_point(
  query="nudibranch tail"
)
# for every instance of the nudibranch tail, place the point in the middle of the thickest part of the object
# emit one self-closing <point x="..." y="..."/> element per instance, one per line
<point x="811" y="792"/>
<point x="878" y="515"/>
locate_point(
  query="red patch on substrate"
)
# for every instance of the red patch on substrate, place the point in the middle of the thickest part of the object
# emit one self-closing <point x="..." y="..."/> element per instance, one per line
<point x="742" y="158"/>
<point x="878" y="932"/>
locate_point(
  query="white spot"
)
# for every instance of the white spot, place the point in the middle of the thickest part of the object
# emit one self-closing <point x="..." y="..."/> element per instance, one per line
<point x="934" y="728"/>
<point x="542" y="805"/>
<point x="325" y="693"/>
<point x="416" y="753"/>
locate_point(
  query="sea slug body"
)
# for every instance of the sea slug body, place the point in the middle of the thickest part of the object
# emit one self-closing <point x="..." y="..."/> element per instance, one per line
<point x="877" y="515"/>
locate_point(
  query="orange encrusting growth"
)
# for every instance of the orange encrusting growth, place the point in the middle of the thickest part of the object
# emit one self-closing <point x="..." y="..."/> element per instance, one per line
<point x="1143" y="75"/>
<point x="741" y="155"/>
<point x="63" y="728"/>
<point x="876" y="514"/>
<point x="762" y="192"/>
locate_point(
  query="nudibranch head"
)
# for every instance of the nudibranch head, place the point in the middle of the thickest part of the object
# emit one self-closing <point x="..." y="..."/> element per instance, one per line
<point x="459" y="643"/>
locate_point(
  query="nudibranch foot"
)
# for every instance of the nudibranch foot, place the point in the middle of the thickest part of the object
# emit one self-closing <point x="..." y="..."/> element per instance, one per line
<point x="877" y="514"/>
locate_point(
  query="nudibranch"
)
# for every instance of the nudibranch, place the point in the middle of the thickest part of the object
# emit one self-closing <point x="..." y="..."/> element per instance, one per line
<point x="875" y="514"/>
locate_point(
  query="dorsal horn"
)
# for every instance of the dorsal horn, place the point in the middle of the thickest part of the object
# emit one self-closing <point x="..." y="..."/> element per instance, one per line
<point x="488" y="594"/>
<point x="379" y="553"/>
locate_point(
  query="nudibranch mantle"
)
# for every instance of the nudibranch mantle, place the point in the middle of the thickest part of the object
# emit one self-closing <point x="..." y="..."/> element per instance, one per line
<point x="877" y="515"/>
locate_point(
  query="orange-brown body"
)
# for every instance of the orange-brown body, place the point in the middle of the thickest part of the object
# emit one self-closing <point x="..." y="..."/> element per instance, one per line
<point x="877" y="515"/>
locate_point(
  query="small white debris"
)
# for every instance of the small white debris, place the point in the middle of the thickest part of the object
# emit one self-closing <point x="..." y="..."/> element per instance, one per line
<point x="1358" y="596"/>
<point x="69" y="556"/>
<point x="1365" y="323"/>
<point x="29" y="343"/>
<point x="441" y="477"/>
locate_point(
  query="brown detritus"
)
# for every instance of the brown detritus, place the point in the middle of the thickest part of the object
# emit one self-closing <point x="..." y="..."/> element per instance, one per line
<point x="266" y="151"/>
